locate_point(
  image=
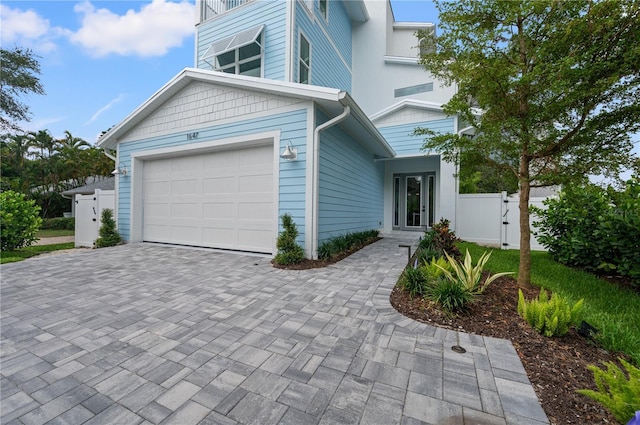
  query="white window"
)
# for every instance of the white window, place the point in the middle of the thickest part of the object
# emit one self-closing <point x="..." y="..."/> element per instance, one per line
<point x="239" y="54"/>
<point x="304" y="62"/>
<point x="323" y="6"/>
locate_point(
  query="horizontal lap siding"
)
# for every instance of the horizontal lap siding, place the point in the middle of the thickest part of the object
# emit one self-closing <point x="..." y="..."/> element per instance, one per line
<point x="293" y="127"/>
<point x="402" y="140"/>
<point x="327" y="67"/>
<point x="270" y="13"/>
<point x="351" y="186"/>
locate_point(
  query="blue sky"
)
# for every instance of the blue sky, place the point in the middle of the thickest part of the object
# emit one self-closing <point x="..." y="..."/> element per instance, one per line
<point x="101" y="59"/>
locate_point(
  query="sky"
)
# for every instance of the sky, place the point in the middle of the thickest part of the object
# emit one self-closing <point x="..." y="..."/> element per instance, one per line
<point x="101" y="59"/>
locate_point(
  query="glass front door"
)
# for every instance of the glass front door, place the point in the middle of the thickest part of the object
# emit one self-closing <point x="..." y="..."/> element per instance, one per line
<point x="414" y="202"/>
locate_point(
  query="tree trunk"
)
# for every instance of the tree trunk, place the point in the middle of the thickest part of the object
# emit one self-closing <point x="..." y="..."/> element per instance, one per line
<point x="524" y="269"/>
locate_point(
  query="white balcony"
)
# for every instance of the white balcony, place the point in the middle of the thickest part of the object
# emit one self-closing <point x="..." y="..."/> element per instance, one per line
<point x="212" y="8"/>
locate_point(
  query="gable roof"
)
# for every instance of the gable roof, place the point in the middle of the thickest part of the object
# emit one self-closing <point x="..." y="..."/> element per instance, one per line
<point x="332" y="101"/>
<point x="407" y="103"/>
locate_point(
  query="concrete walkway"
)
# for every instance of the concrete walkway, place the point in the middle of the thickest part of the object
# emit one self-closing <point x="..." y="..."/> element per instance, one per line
<point x="55" y="240"/>
<point x="152" y="334"/>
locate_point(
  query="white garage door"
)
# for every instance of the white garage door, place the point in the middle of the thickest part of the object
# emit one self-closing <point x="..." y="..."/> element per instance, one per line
<point x="221" y="199"/>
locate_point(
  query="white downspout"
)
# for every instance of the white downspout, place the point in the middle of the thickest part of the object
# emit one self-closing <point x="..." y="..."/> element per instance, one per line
<point x="108" y="155"/>
<point x="316" y="176"/>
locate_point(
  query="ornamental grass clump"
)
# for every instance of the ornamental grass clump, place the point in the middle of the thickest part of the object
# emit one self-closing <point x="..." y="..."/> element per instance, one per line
<point x="469" y="276"/>
<point x="550" y="317"/>
<point x="617" y="391"/>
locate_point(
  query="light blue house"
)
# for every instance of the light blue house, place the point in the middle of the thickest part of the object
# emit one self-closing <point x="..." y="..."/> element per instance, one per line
<point x="303" y="107"/>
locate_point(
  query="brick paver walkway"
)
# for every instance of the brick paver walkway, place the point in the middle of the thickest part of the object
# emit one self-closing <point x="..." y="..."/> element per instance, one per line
<point x="152" y="334"/>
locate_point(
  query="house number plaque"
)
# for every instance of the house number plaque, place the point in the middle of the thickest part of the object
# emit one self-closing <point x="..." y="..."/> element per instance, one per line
<point x="192" y="136"/>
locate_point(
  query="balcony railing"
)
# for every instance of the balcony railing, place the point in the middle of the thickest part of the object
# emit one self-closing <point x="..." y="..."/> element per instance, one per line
<point x="212" y="8"/>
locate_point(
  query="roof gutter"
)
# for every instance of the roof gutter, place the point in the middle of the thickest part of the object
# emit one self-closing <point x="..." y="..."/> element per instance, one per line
<point x="316" y="174"/>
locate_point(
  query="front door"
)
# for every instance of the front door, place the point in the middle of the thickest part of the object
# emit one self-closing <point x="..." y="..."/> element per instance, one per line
<point x="414" y="201"/>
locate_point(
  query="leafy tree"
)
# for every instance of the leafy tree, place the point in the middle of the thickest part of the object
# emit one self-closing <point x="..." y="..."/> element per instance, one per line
<point x="476" y="176"/>
<point x="19" y="76"/>
<point x="550" y="87"/>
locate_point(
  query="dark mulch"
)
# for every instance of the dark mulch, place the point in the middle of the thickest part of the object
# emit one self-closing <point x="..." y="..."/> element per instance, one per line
<point x="557" y="367"/>
<point x="307" y="264"/>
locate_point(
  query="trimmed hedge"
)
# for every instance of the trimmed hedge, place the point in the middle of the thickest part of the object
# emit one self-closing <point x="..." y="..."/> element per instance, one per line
<point x="59" y="223"/>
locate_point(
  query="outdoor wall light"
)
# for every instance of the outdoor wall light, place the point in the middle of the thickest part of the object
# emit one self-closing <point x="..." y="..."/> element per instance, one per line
<point x="290" y="153"/>
<point x="121" y="170"/>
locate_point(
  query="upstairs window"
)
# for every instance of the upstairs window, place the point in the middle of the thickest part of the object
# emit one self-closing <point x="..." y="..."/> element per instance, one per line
<point x="239" y="54"/>
<point x="322" y="7"/>
<point x="304" y="62"/>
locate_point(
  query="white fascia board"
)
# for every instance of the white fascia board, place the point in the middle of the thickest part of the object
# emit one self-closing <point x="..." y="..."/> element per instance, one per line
<point x="401" y="60"/>
<point x="187" y="75"/>
<point x="413" y="25"/>
<point x="357" y="10"/>
<point x="418" y="104"/>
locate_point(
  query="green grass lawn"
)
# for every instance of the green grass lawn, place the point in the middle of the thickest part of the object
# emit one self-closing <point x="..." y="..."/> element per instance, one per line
<point x="52" y="233"/>
<point x="21" y="254"/>
<point x="614" y="311"/>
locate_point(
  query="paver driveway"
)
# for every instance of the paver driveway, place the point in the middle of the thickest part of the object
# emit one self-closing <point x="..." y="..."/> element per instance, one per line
<point x="154" y="334"/>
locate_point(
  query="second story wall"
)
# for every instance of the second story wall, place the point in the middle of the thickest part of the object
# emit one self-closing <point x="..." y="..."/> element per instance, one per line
<point x="271" y="14"/>
<point x="385" y="63"/>
<point x="330" y="41"/>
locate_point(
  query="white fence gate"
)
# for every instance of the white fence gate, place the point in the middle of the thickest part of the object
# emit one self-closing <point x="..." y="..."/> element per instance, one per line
<point x="88" y="215"/>
<point x="493" y="219"/>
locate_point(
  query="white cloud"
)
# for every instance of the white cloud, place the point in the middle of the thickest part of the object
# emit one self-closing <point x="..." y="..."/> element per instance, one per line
<point x="27" y="29"/>
<point x="151" y="31"/>
<point x="105" y="108"/>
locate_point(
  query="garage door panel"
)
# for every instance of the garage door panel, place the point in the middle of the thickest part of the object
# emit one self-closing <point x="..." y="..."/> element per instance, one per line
<point x="185" y="210"/>
<point x="158" y="188"/>
<point x="221" y="160"/>
<point x="186" y="163"/>
<point x="219" y="210"/>
<point x="260" y="183"/>
<point x="221" y="199"/>
<point x="251" y="239"/>
<point x="216" y="185"/>
<point x="255" y="211"/>
<point x="188" y="235"/>
<point x="219" y="237"/>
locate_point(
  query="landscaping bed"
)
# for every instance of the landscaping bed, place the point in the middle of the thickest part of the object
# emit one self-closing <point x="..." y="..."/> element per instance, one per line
<point x="557" y="367"/>
<point x="307" y="264"/>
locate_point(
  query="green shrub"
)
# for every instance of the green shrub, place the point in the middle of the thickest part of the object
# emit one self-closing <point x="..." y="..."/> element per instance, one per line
<point x="451" y="296"/>
<point x="440" y="239"/>
<point x="550" y="317"/>
<point x="109" y="236"/>
<point x="19" y="221"/>
<point x="349" y="241"/>
<point x="58" y="223"/>
<point x="467" y="275"/>
<point x="617" y="392"/>
<point x="289" y="252"/>
<point x="593" y="228"/>
<point x="413" y="281"/>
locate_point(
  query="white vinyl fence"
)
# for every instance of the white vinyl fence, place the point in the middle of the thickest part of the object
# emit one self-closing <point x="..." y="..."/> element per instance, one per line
<point x="88" y="215"/>
<point x="493" y="219"/>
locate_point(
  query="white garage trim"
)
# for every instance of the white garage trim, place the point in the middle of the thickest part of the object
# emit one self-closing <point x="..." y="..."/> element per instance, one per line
<point x="138" y="159"/>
